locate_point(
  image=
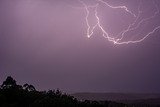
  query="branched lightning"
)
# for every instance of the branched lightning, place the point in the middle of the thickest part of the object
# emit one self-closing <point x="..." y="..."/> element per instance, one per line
<point x="117" y="7"/>
<point x="131" y="27"/>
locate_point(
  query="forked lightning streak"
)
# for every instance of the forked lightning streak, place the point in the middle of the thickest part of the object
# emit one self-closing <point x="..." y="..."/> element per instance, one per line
<point x="118" y="38"/>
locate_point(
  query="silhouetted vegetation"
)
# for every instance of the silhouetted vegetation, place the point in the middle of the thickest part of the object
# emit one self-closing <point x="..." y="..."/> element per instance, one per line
<point x="13" y="95"/>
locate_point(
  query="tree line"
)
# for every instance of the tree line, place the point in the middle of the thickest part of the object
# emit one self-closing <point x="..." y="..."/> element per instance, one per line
<point x="14" y="95"/>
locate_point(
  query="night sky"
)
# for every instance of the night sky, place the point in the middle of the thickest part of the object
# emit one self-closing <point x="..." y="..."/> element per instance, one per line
<point x="44" y="43"/>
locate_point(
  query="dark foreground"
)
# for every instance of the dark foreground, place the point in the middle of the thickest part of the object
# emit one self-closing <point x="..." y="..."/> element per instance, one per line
<point x="13" y="95"/>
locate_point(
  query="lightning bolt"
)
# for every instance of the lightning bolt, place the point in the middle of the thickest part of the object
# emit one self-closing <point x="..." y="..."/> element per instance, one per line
<point x="131" y="27"/>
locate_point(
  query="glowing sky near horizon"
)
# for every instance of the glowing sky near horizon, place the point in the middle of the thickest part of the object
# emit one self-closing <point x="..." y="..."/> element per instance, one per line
<point x="45" y="43"/>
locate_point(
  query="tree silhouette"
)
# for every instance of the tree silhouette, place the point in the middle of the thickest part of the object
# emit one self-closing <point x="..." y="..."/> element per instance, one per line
<point x="29" y="87"/>
<point x="8" y="83"/>
<point x="13" y="95"/>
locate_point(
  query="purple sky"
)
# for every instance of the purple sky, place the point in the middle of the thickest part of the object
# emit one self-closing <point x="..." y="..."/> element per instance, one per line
<point x="44" y="43"/>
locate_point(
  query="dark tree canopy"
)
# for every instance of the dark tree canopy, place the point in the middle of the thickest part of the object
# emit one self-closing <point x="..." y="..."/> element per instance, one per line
<point x="29" y="87"/>
<point x="13" y="95"/>
<point x="9" y="82"/>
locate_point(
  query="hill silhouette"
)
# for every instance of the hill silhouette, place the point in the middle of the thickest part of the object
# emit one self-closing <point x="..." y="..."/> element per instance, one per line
<point x="116" y="96"/>
<point x="14" y="95"/>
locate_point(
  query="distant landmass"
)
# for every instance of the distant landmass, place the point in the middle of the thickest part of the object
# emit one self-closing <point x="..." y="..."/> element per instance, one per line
<point x="114" y="96"/>
<point x="128" y="98"/>
<point x="14" y="95"/>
